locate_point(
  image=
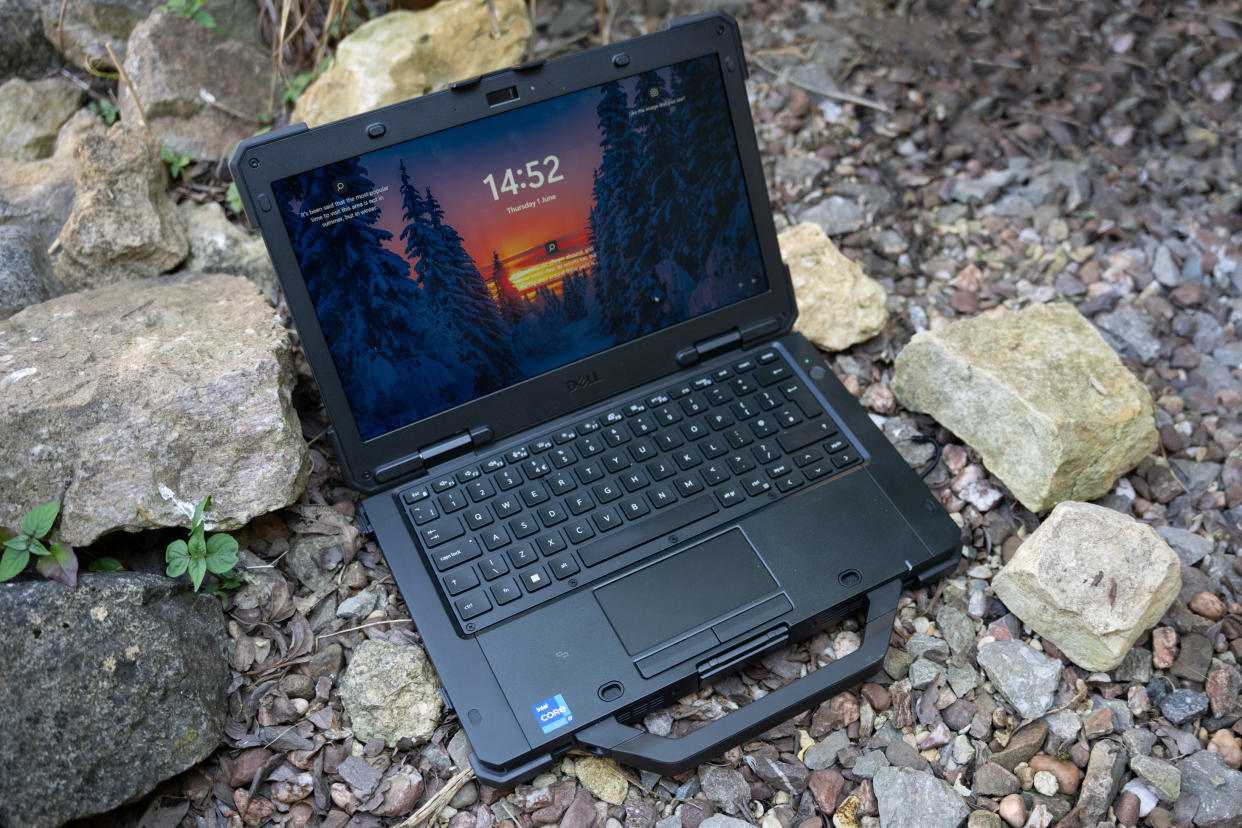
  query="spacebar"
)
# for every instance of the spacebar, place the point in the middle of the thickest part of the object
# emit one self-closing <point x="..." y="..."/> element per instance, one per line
<point x="666" y="520"/>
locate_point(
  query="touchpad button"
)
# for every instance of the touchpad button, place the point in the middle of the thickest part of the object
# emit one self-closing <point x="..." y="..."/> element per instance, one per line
<point x="685" y="590"/>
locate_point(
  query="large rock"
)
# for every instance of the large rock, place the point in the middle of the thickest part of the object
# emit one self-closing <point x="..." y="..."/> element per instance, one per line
<point x="1091" y="581"/>
<point x="217" y="245"/>
<point x="391" y="691"/>
<point x="124" y="399"/>
<point x="38" y="195"/>
<point x="1217" y="786"/>
<point x="108" y="689"/>
<point x="32" y="113"/>
<point x="1042" y="398"/>
<point x="24" y="51"/>
<point x="404" y="54"/>
<point x="82" y="29"/>
<point x="838" y="304"/>
<point x="1024" y="676"/>
<point x="26" y="276"/>
<point x="170" y="60"/>
<point x="917" y="799"/>
<point x="123" y="225"/>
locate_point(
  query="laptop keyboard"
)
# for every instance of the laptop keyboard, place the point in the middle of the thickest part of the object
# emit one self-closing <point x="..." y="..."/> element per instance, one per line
<point x="531" y="523"/>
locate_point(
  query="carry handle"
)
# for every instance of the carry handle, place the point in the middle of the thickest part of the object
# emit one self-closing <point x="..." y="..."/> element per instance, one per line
<point x="672" y="756"/>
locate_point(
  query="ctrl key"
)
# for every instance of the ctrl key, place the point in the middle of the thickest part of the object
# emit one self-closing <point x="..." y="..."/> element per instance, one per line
<point x="472" y="604"/>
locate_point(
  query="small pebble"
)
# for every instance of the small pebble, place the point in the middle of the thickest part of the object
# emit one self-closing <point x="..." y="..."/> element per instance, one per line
<point x="1164" y="647"/>
<point x="1046" y="783"/>
<point x="1228" y="747"/>
<point x="1208" y="605"/>
<point x="1013" y="810"/>
<point x="1127" y="809"/>
<point x="1066" y="773"/>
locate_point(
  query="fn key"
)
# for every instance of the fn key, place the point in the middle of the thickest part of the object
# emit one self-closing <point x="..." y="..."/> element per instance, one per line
<point x="472" y="604"/>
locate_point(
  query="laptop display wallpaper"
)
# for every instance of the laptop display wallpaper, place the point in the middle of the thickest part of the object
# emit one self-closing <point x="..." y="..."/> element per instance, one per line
<point x="456" y="264"/>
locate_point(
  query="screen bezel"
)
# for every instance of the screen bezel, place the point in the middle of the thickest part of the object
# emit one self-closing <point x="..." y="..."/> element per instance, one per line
<point x="546" y="396"/>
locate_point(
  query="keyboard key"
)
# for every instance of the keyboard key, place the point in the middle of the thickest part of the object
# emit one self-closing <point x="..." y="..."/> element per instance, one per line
<point x="633" y="409"/>
<point x="505" y="506"/>
<point x="669" y="440"/>
<point x="744" y="409"/>
<point x="738" y="437"/>
<point x="742" y="385"/>
<point x="779" y="470"/>
<point x="523" y="526"/>
<point x="606" y="491"/>
<point x="616" y="461"/>
<point x="580" y="503"/>
<point x="634" y="480"/>
<point x="507" y="479"/>
<point x="755" y="484"/>
<point x="715" y="473"/>
<point x="660" y="469"/>
<point x="844" y="458"/>
<point x="480" y="490"/>
<point x="562" y="457"/>
<point x="493" y="567"/>
<point x="656" y="400"/>
<point x="456" y="583"/>
<point x="443" y="484"/>
<point x="533" y="494"/>
<point x="551" y="515"/>
<point x="766" y="452"/>
<point x="686" y="459"/>
<point x="667" y="414"/>
<point x="701" y="383"/>
<point x="807" y="456"/>
<point x="521" y="556"/>
<point x="493" y="464"/>
<point x="549" y="543"/>
<point x="721" y="374"/>
<point x="634" y="534"/>
<point x="743" y="367"/>
<point x="768" y="400"/>
<point x="614" y="435"/>
<point x="642" y="425"/>
<point x="565" y="435"/>
<point x="606" y="519"/>
<point x="588" y="472"/>
<point x="807" y="433"/>
<point x="788" y="416"/>
<point x="730" y="495"/>
<point x="477" y="517"/>
<point x="541" y="445"/>
<point x="766" y="357"/>
<point x="535" y="579"/>
<point x="506" y="591"/>
<point x="563" y="567"/>
<point x="517" y="455"/>
<point x="441" y="531"/>
<point x="450" y="556"/>
<point x="536" y="467"/>
<point x="452" y="500"/>
<point x="800" y="396"/>
<point x="818" y="470"/>
<point x="694" y="429"/>
<point x="560" y="483"/>
<point x="588" y="426"/>
<point x="661" y="496"/>
<point x="693" y="404"/>
<point x="634" y="507"/>
<point x="836" y="444"/>
<point x="589" y="445"/>
<point x="718" y="395"/>
<point x="611" y="418"/>
<point x="472" y="605"/>
<point x="771" y="374"/>
<point x="578" y="531"/>
<point x="642" y="450"/>
<point x="420" y="513"/>
<point x="763" y="426"/>
<point x="790" y="481"/>
<point x="495" y="537"/>
<point x="687" y="485"/>
<point x="739" y="463"/>
<point x="713" y="448"/>
<point x="416" y="494"/>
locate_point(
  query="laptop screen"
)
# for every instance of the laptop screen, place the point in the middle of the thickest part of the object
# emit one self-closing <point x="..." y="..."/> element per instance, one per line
<point x="461" y="262"/>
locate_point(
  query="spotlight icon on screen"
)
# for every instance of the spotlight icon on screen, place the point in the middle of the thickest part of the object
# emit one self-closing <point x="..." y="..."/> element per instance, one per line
<point x="550" y="248"/>
<point x="340" y="187"/>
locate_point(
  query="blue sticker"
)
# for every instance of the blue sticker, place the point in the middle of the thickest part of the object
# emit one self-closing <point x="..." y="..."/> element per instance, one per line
<point x="552" y="713"/>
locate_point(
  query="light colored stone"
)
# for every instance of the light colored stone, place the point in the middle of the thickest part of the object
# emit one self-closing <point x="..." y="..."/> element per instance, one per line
<point x="838" y="304"/>
<point x="123" y="225"/>
<point x="217" y="245"/>
<point x="1026" y="677"/>
<point x="171" y="60"/>
<point x="31" y="115"/>
<point x="1091" y="581"/>
<point x="38" y="195"/>
<point x="917" y="799"/>
<point x="603" y="778"/>
<point x="125" y="399"/>
<point x="26" y="276"/>
<point x="404" y="54"/>
<point x="391" y="691"/>
<point x="1038" y="393"/>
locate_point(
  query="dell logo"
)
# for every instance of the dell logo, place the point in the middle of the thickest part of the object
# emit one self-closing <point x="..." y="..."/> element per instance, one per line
<point x="582" y="381"/>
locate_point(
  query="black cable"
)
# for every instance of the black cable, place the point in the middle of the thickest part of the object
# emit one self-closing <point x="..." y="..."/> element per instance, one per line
<point x="923" y="438"/>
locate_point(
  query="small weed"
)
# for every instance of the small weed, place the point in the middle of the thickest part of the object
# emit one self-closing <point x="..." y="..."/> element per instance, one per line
<point x="201" y="554"/>
<point x="233" y="198"/>
<point x="298" y="83"/>
<point x="105" y="564"/>
<point x="193" y="10"/>
<point x="55" y="560"/>
<point x="177" y="163"/>
<point x="105" y="109"/>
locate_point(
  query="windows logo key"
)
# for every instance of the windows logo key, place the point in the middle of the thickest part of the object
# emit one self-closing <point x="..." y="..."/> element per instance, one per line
<point x="552" y="713"/>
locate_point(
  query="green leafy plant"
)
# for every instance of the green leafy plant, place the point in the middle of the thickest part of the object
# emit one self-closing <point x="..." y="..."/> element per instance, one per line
<point x="296" y="85"/>
<point x="193" y="10"/>
<point x="233" y="198"/>
<point x="105" y="564"/>
<point x="201" y="554"/>
<point x="105" y="109"/>
<point x="53" y="560"/>
<point x="177" y="163"/>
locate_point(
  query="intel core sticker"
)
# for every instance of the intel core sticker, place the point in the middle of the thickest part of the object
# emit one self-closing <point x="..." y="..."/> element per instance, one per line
<point x="552" y="713"/>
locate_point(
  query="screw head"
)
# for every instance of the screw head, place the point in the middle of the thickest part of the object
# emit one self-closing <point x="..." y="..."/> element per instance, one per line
<point x="254" y="162"/>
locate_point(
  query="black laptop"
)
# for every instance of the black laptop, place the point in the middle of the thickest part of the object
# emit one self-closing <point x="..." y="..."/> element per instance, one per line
<point x="552" y="329"/>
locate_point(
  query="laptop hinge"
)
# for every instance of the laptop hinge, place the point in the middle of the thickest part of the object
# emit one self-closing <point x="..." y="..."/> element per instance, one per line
<point x="434" y="453"/>
<point x="711" y="346"/>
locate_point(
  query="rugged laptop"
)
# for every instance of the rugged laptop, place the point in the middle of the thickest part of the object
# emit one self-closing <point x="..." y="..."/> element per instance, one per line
<point x="552" y="329"/>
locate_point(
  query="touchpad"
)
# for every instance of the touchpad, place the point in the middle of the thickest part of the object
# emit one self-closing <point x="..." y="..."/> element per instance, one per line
<point x="683" y="591"/>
